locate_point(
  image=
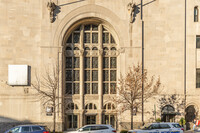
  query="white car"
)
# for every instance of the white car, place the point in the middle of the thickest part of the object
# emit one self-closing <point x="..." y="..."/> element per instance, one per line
<point x="163" y="127"/>
<point x="95" y="129"/>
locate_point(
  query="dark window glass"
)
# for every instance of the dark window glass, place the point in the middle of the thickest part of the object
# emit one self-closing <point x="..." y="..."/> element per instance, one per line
<point x="113" y="48"/>
<point x="75" y="121"/>
<point x="76" y="107"/>
<point x="69" y="125"/>
<point x="72" y="121"/>
<point x="105" y="88"/>
<point x="105" y="37"/>
<point x="112" y="75"/>
<point x="196" y="12"/>
<point x="94" y="62"/>
<point x="87" y="75"/>
<point x="68" y="88"/>
<point x="25" y="129"/>
<point x="95" y="88"/>
<point x="76" y="75"/>
<point x="95" y="107"/>
<point x="36" y="128"/>
<point x="105" y="62"/>
<point x="76" y="62"/>
<point x="105" y="75"/>
<point x="68" y="75"/>
<point x="109" y="105"/>
<point x="68" y="62"/>
<point x="113" y="62"/>
<point x="76" y="88"/>
<point x="164" y="126"/>
<point x="87" y="27"/>
<point x="94" y="75"/>
<point x="95" y="48"/>
<point x="95" y="27"/>
<point x="112" y="88"/>
<point x="90" y="106"/>
<point x="69" y="40"/>
<point x="86" y="37"/>
<point x="112" y="120"/>
<point x="76" y="37"/>
<point x="197" y="78"/>
<point x="94" y="37"/>
<point x="68" y="48"/>
<point x="87" y="88"/>
<point x="87" y="62"/>
<point x="198" y="41"/>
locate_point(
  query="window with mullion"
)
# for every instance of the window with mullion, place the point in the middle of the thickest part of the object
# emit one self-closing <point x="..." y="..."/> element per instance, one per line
<point x="109" y="75"/>
<point x="72" y="75"/>
<point x="91" y="75"/>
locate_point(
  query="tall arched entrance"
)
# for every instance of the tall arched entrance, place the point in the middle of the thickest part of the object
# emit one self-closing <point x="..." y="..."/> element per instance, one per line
<point x="90" y="66"/>
<point x="190" y="113"/>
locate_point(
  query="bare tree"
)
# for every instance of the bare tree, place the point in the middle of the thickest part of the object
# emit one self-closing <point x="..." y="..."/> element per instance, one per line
<point x="46" y="87"/>
<point x="129" y="90"/>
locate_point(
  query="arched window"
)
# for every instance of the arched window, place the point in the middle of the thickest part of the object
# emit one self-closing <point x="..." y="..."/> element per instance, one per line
<point x="95" y="48"/>
<point x="90" y="34"/>
<point x="196" y="14"/>
<point x="76" y="48"/>
<point x="72" y="106"/>
<point x="91" y="106"/>
<point x="68" y="48"/>
<point x="109" y="106"/>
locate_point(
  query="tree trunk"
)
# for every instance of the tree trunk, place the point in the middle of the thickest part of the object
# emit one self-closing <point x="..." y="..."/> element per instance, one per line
<point x="131" y="119"/>
<point x="54" y="117"/>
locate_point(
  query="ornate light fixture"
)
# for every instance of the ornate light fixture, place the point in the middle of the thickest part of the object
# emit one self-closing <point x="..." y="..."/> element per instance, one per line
<point x="51" y="7"/>
<point x="131" y="8"/>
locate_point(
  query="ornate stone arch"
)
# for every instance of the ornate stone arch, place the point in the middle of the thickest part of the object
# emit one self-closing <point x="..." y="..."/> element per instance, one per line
<point x="191" y="112"/>
<point x="89" y="12"/>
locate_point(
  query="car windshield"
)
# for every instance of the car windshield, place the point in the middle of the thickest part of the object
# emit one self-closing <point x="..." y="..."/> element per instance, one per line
<point x="176" y="125"/>
<point x="146" y="126"/>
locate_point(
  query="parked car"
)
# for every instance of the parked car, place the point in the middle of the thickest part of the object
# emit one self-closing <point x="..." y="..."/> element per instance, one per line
<point x="28" y="129"/>
<point x="95" y="129"/>
<point x="163" y="127"/>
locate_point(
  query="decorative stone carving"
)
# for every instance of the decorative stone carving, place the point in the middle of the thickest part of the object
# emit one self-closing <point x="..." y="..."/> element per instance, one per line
<point x="51" y="7"/>
<point x="81" y="52"/>
<point x="131" y="8"/>
<point x="101" y="52"/>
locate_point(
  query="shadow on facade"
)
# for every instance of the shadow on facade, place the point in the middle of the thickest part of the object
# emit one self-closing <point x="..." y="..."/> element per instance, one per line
<point x="7" y="123"/>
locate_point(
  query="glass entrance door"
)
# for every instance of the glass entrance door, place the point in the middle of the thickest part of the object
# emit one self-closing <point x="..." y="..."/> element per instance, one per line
<point x="90" y="119"/>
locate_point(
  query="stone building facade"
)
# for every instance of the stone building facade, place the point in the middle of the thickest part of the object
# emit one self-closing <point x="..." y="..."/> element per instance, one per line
<point x="93" y="42"/>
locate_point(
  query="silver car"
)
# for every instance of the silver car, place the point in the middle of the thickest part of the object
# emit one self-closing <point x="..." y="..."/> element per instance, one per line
<point x="95" y="129"/>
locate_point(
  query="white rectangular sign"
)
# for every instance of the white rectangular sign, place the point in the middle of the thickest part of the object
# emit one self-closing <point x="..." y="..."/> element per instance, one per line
<point x="18" y="74"/>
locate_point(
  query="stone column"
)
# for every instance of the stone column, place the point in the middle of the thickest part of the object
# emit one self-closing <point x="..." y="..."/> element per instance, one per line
<point x="81" y="77"/>
<point x="100" y="73"/>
